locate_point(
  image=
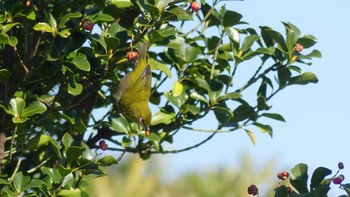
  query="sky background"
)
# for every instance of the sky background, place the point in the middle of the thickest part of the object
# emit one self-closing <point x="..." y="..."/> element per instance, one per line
<point x="317" y="115"/>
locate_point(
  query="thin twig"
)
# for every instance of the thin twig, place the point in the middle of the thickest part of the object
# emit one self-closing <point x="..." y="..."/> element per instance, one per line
<point x="188" y="148"/>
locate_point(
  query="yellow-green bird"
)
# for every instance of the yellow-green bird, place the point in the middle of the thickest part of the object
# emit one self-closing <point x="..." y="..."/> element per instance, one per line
<point x="134" y="91"/>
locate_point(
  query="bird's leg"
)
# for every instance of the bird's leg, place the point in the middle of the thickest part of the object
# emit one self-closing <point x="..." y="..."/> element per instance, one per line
<point x="145" y="127"/>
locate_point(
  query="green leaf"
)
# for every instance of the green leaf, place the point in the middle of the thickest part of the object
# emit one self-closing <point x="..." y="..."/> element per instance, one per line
<point x="231" y="95"/>
<point x="277" y="37"/>
<point x="17" y="106"/>
<point x="5" y="39"/>
<point x="68" y="180"/>
<point x="38" y="142"/>
<point x="215" y="90"/>
<point x="298" y="178"/>
<point x="35" y="183"/>
<point x="67" y="140"/>
<point x="303" y="79"/>
<point x="202" y="83"/>
<point x="231" y="18"/>
<point x="318" y="176"/>
<point x="5" y="74"/>
<point x="34" y="108"/>
<point x="284" y="75"/>
<point x="81" y="62"/>
<point x="157" y="65"/>
<point x="107" y="160"/>
<point x="251" y="136"/>
<point x="73" y="153"/>
<point x="74" y="88"/>
<point x="264" y="128"/>
<point x="67" y="17"/>
<point x="52" y="173"/>
<point x="177" y="89"/>
<point x="122" y="3"/>
<point x="20" y="182"/>
<point x="64" y="33"/>
<point x="281" y="191"/>
<point x="262" y="104"/>
<point x="307" y="41"/>
<point x="314" y="53"/>
<point x="293" y="34"/>
<point x="162" y="118"/>
<point x="54" y="144"/>
<point x="232" y="34"/>
<point x="103" y="18"/>
<point x="197" y="96"/>
<point x="69" y="193"/>
<point x="188" y="54"/>
<point x="274" y="116"/>
<point x="41" y="26"/>
<point x="7" y="27"/>
<point x="248" y="42"/>
<point x="120" y="125"/>
<point x="242" y="112"/>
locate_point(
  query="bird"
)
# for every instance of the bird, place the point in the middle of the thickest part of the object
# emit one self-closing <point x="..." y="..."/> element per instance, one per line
<point x="134" y="91"/>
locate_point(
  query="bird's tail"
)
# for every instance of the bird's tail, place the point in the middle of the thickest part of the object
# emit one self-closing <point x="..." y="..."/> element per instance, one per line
<point x="141" y="60"/>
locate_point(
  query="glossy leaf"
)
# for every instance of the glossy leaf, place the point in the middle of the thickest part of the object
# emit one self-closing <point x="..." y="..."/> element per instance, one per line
<point x="264" y="128"/>
<point x="120" y="125"/>
<point x="298" y="177"/>
<point x="231" y="18"/>
<point x="303" y="79"/>
<point x="34" y="108"/>
<point x="318" y="176"/>
<point x="248" y="42"/>
<point x="81" y="63"/>
<point x="177" y="89"/>
<point x="108" y="160"/>
<point x="52" y="173"/>
<point x="103" y="18"/>
<point x="74" y="88"/>
<point x="67" y="140"/>
<point x="45" y="27"/>
<point x="232" y="34"/>
<point x="197" y="96"/>
<point x="68" y="17"/>
<point x="122" y="3"/>
<point x="162" y="118"/>
<point x="274" y="116"/>
<point x="284" y="75"/>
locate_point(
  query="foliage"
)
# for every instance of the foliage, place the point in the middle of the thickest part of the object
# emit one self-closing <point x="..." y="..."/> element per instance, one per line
<point x="319" y="186"/>
<point x="61" y="60"/>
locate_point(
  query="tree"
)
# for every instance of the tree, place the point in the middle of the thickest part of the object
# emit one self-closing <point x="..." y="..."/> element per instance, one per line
<point x="61" y="60"/>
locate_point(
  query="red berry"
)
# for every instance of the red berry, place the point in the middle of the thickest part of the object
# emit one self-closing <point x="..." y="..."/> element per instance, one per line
<point x="27" y="3"/>
<point x="283" y="175"/>
<point x="337" y="180"/>
<point x="131" y="55"/>
<point x="340" y="165"/>
<point x="87" y="24"/>
<point x="103" y="145"/>
<point x="289" y="189"/>
<point x="298" y="47"/>
<point x="194" y="5"/>
<point x="253" y="190"/>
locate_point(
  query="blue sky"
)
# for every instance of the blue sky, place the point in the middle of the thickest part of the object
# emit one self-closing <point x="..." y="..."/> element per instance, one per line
<point x="317" y="115"/>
